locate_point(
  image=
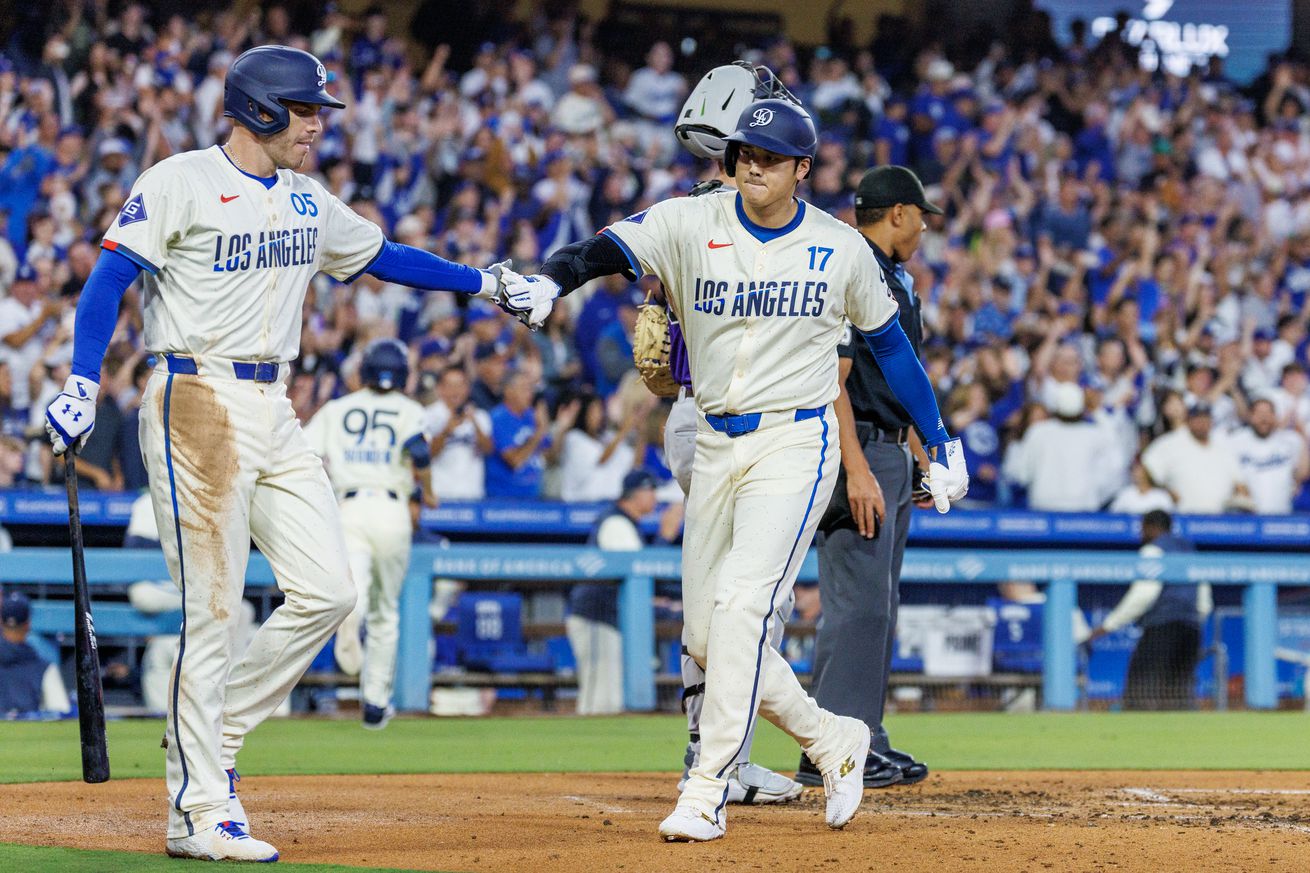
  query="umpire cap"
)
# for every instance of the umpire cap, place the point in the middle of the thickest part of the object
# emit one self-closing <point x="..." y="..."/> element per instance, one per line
<point x="776" y="125"/>
<point x="887" y="186"/>
<point x="385" y="366"/>
<point x="263" y="78"/>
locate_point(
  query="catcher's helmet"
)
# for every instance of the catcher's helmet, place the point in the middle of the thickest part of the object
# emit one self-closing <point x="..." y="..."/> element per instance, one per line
<point x="715" y="104"/>
<point x="261" y="78"/>
<point x="776" y="125"/>
<point x="385" y="366"/>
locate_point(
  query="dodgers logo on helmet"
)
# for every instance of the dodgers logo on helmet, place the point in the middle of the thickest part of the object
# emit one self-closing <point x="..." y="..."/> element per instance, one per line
<point x="763" y="117"/>
<point x="322" y="76"/>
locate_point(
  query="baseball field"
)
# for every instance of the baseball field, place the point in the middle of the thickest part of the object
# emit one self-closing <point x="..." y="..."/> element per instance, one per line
<point x="1109" y="791"/>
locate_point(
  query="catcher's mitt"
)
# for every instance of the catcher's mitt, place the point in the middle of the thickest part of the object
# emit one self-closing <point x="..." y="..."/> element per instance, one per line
<point x="651" y="349"/>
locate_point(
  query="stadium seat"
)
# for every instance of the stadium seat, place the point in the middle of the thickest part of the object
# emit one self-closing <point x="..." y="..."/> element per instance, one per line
<point x="490" y="635"/>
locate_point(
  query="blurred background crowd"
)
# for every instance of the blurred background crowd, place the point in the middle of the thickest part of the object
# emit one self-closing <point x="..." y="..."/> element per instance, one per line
<point x="1115" y="300"/>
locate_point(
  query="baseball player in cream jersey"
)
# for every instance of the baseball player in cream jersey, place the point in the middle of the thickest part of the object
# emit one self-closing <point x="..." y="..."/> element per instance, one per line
<point x="374" y="447"/>
<point x="763" y="286"/>
<point x="707" y="118"/>
<point x="228" y="239"/>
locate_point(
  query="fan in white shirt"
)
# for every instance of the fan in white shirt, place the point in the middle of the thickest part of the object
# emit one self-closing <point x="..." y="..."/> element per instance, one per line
<point x="461" y="439"/>
<point x="1065" y="462"/>
<point x="1141" y="496"/>
<point x="594" y="459"/>
<point x="1201" y="472"/>
<point x="1274" y="460"/>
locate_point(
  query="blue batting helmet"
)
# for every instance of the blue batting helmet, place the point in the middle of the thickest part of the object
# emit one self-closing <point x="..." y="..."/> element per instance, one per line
<point x="385" y="366"/>
<point x="261" y="79"/>
<point x="776" y="125"/>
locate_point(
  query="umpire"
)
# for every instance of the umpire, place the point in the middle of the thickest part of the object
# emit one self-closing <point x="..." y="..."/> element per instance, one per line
<point x="862" y="536"/>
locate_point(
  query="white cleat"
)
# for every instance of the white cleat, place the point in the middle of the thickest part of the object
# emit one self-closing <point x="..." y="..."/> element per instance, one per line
<point x="686" y="824"/>
<point x="225" y="841"/>
<point x="751" y="783"/>
<point x="843" y="783"/>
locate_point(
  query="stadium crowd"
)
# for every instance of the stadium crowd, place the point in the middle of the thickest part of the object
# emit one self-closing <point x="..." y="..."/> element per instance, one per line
<point x="1115" y="300"/>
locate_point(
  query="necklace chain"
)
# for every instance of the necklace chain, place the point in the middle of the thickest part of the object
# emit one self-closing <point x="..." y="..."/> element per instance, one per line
<point x="233" y="159"/>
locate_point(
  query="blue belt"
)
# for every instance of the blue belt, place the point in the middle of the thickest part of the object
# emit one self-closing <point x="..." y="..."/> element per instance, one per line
<point x="256" y="371"/>
<point x="736" y="425"/>
<point x="352" y="492"/>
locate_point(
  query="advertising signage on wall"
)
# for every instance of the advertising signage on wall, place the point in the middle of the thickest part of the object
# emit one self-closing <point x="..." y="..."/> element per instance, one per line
<point x="1174" y="35"/>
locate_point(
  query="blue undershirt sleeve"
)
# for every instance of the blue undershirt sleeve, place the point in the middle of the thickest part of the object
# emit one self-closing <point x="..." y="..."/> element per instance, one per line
<point x="907" y="379"/>
<point x="415" y="268"/>
<point x="97" y="311"/>
<point x="419" y="452"/>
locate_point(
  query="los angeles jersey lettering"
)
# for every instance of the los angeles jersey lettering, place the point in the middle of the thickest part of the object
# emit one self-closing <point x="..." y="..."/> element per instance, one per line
<point x="737" y="297"/>
<point x="227" y="260"/>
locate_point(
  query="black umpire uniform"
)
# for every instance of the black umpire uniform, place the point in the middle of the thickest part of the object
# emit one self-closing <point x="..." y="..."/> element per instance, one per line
<point x="859" y="579"/>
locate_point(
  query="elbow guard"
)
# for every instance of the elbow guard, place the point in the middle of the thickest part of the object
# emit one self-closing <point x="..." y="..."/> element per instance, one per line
<point x="578" y="263"/>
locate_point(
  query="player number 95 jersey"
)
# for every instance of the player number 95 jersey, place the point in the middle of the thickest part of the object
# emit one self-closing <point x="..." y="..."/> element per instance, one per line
<point x="361" y="438"/>
<point x="761" y="310"/>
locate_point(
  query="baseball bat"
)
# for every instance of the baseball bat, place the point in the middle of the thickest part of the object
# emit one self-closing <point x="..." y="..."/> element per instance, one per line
<point x="90" y="694"/>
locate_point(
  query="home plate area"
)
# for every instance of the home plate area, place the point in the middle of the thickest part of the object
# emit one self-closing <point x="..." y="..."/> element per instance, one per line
<point x="958" y="821"/>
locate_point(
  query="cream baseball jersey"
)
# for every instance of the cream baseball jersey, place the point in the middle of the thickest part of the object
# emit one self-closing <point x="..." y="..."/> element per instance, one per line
<point x="362" y="438"/>
<point x="762" y="309"/>
<point x="228" y="258"/>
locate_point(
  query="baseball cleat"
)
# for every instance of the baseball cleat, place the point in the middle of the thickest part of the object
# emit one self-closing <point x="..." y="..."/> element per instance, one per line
<point x="225" y="841"/>
<point x="376" y="717"/>
<point x="750" y="783"/>
<point x="686" y="824"/>
<point x="843" y="782"/>
<point x="236" y="813"/>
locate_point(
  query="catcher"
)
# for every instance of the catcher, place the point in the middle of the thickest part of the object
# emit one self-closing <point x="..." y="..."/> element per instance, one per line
<point x="706" y="119"/>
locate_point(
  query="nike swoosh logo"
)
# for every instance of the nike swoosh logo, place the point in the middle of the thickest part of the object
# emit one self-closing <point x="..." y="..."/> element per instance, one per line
<point x="715" y="245"/>
<point x="226" y="199"/>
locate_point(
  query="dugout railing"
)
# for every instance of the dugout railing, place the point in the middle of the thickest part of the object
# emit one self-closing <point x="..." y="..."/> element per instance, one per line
<point x="1060" y="573"/>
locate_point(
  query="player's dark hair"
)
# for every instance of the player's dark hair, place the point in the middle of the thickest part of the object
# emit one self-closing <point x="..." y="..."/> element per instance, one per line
<point x="1157" y="521"/>
<point x="871" y="215"/>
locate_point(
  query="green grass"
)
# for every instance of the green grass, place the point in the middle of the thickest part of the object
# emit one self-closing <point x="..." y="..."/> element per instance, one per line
<point x="35" y="859"/>
<point x="32" y="752"/>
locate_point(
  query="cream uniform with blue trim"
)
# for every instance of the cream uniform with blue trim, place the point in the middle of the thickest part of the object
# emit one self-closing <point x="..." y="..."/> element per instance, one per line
<point x="762" y="311"/>
<point x="228" y="258"/>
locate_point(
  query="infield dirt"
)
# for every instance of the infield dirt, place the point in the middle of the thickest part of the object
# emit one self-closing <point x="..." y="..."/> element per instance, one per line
<point x="541" y="823"/>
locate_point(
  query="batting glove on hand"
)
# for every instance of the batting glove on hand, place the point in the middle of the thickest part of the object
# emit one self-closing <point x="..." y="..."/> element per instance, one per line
<point x="71" y="416"/>
<point x="948" y="482"/>
<point x="529" y="298"/>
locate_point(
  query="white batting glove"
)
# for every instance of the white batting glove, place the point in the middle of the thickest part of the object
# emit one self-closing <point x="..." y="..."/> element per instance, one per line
<point x="71" y="416"/>
<point x="529" y="298"/>
<point x="948" y="482"/>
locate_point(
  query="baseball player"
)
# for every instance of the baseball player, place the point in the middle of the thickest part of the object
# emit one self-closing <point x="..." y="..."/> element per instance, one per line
<point x="707" y="118"/>
<point x="762" y="285"/>
<point x="374" y="447"/>
<point x="228" y="239"/>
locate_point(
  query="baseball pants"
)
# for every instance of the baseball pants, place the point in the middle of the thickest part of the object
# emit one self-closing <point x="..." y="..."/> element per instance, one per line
<point x="598" y="651"/>
<point x="228" y="463"/>
<point x="680" y="452"/>
<point x="378" y="539"/>
<point x="860" y="586"/>
<point x="755" y="502"/>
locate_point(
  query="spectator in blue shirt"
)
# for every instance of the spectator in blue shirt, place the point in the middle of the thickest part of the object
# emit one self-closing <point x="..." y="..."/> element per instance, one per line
<point x="891" y="135"/>
<point x="521" y="437"/>
<point x="600" y="310"/>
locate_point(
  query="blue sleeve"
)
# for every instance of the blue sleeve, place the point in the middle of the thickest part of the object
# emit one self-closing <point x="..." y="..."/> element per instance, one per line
<point x="907" y="379"/>
<point x="97" y="311"/>
<point x="415" y="268"/>
<point x="418" y="450"/>
<point x="504" y="427"/>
